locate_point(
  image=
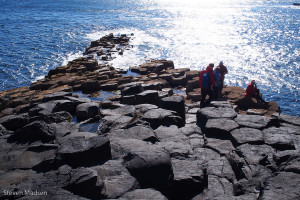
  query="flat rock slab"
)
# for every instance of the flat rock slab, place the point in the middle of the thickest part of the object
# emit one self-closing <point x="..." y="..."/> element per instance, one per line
<point x="144" y="194"/>
<point x="253" y="121"/>
<point x="175" y="103"/>
<point x="161" y="117"/>
<point x="220" y="127"/>
<point x="84" y="151"/>
<point x="289" y="119"/>
<point x="215" y="112"/>
<point x="139" y="132"/>
<point x="116" y="179"/>
<point x="283" y="186"/>
<point x="87" y="110"/>
<point x="14" y="122"/>
<point x="217" y="104"/>
<point x="279" y="138"/>
<point x="223" y="147"/>
<point x="256" y="153"/>
<point x="247" y="135"/>
<point x="220" y="167"/>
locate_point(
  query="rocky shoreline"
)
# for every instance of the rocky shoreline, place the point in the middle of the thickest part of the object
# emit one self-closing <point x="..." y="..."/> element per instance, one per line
<point x="146" y="138"/>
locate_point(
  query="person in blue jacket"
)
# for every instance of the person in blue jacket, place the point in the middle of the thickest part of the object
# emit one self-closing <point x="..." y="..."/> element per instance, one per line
<point x="217" y="89"/>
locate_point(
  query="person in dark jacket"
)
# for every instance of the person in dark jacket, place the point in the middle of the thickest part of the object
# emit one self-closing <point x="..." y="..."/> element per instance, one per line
<point x="217" y="89"/>
<point x="252" y="91"/>
<point x="207" y="81"/>
<point x="223" y="71"/>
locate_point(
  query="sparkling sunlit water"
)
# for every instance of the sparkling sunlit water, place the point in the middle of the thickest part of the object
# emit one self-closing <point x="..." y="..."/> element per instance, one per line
<point x="255" y="39"/>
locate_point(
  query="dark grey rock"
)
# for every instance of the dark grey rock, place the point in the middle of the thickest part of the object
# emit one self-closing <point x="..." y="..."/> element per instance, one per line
<point x="191" y="129"/>
<point x="148" y="97"/>
<point x="189" y="179"/>
<point x="14" y="122"/>
<point x="87" y="110"/>
<point x="190" y="119"/>
<point x="129" y="100"/>
<point x="205" y="154"/>
<point x="139" y="132"/>
<point x="254" y="154"/>
<point x="218" y="188"/>
<point x="253" y="121"/>
<point x="120" y="147"/>
<point x="42" y="109"/>
<point x="80" y="181"/>
<point x="283" y="186"/>
<point x="196" y="141"/>
<point x="254" y="179"/>
<point x="90" y="86"/>
<point x="206" y="113"/>
<point x="65" y="105"/>
<point x="56" y="117"/>
<point x="114" y="122"/>
<point x="289" y="119"/>
<point x="3" y="131"/>
<point x="144" y="194"/>
<point x="35" y="131"/>
<point x="84" y="151"/>
<point x="56" y="96"/>
<point x="109" y="86"/>
<point x="116" y="179"/>
<point x="161" y="117"/>
<point x="174" y="103"/>
<point x="218" y="104"/>
<point x="143" y="108"/>
<point x="223" y="147"/>
<point x="279" y="138"/>
<point x="64" y="128"/>
<point x="247" y="135"/>
<point x="220" y="167"/>
<point x="150" y="165"/>
<point x="220" y="127"/>
<point x="131" y="89"/>
<point x="288" y="160"/>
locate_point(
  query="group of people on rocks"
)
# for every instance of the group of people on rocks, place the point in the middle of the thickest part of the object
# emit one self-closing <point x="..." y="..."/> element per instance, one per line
<point x="212" y="81"/>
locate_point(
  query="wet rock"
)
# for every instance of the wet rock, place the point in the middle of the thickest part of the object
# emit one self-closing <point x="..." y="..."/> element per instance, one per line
<point x="109" y="86"/>
<point x="247" y="135"/>
<point x="116" y="179"/>
<point x="35" y="131"/>
<point x="87" y="110"/>
<point x="14" y="122"/>
<point x="150" y="165"/>
<point x="90" y="86"/>
<point x="84" y="151"/>
<point x="161" y="117"/>
<point x="144" y="194"/>
<point x="279" y="138"/>
<point x="282" y="186"/>
<point x="253" y="121"/>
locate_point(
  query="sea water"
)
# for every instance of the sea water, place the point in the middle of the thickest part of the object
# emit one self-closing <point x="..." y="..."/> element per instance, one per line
<point x="255" y="39"/>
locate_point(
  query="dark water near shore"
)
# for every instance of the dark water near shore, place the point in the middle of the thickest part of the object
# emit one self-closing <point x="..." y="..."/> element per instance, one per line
<point x="255" y="39"/>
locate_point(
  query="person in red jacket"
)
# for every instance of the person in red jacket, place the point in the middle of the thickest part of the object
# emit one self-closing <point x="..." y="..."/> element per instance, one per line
<point x="207" y="81"/>
<point x="252" y="91"/>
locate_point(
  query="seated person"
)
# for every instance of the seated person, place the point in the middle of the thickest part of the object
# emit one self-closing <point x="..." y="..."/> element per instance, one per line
<point x="252" y="91"/>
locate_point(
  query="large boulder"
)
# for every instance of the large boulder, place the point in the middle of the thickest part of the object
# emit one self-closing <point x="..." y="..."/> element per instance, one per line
<point x="132" y="89"/>
<point x="247" y="135"/>
<point x="148" y="97"/>
<point x="35" y="131"/>
<point x="174" y="103"/>
<point x="84" y="151"/>
<point x="87" y="110"/>
<point x="150" y="165"/>
<point x="284" y="185"/>
<point x="161" y="117"/>
<point x="279" y="138"/>
<point x="116" y="179"/>
<point x="14" y="122"/>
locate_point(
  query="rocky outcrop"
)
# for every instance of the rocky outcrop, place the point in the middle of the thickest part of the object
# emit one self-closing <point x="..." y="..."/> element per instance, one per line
<point x="150" y="140"/>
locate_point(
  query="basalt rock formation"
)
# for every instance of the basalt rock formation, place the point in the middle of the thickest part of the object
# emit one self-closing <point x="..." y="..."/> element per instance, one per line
<point x="148" y="139"/>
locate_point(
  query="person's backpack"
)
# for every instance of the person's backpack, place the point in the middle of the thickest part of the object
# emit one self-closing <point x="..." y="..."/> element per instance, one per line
<point x="206" y="80"/>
